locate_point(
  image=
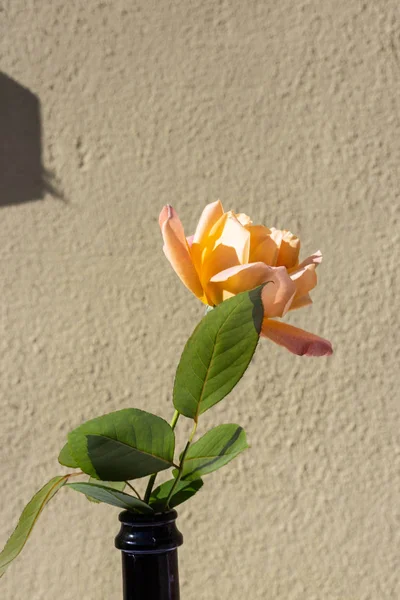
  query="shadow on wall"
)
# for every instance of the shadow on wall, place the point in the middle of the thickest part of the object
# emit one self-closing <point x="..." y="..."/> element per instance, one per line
<point x="22" y="176"/>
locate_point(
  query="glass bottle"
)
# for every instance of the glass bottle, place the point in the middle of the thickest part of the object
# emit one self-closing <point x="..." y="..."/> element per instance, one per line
<point x="149" y="555"/>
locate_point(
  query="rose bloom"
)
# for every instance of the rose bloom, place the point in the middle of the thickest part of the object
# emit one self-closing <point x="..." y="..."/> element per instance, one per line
<point x="228" y="255"/>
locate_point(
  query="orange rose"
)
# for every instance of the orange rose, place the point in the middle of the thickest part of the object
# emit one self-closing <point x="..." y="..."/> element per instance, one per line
<point x="228" y="255"/>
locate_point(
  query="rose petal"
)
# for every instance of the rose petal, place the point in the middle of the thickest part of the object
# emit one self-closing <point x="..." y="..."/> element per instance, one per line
<point x="210" y="215"/>
<point x="289" y="251"/>
<point x="289" y="248"/>
<point x="223" y="257"/>
<point x="234" y="235"/>
<point x="305" y="279"/>
<point x="227" y="246"/>
<point x="176" y="250"/>
<point x="277" y="295"/>
<point x="314" y="259"/>
<point x="262" y="247"/>
<point x="295" y="340"/>
<point x="243" y="219"/>
<point x="237" y="279"/>
<point x="300" y="302"/>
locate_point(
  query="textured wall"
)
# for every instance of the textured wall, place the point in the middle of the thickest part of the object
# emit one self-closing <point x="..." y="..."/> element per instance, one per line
<point x="288" y="111"/>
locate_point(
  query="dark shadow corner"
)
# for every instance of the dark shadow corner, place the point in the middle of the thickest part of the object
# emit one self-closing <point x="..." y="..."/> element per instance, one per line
<point x="22" y="175"/>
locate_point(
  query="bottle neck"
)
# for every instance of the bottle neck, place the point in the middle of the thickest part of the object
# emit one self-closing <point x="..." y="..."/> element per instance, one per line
<point x="149" y="555"/>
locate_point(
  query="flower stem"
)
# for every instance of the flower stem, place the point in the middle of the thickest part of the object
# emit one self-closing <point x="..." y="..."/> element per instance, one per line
<point x="133" y="489"/>
<point x="149" y="488"/>
<point x="152" y="479"/>
<point x="175" y="419"/>
<point x="181" y="464"/>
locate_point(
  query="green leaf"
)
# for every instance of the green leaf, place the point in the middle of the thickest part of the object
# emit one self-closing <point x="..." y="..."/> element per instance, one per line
<point x="126" y="444"/>
<point x="27" y="520"/>
<point x="111" y="496"/>
<point x="218" y="353"/>
<point x="65" y="458"/>
<point x="214" y="450"/>
<point x="183" y="491"/>
<point x="115" y="485"/>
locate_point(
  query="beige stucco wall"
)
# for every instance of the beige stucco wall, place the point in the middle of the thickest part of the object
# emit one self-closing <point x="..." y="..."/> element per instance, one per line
<point x="288" y="111"/>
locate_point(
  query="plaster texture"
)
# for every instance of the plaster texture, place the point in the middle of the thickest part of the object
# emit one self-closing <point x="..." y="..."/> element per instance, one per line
<point x="287" y="111"/>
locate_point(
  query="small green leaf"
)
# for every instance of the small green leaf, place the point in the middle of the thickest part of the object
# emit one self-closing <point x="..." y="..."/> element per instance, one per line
<point x="27" y="520"/>
<point x="214" y="450"/>
<point x="126" y="444"/>
<point x="65" y="458"/>
<point x="218" y="353"/>
<point x="183" y="491"/>
<point x="111" y="496"/>
<point x="115" y="485"/>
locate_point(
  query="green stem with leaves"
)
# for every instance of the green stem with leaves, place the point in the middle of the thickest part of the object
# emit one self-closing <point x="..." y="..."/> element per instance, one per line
<point x="181" y="464"/>
<point x="152" y="479"/>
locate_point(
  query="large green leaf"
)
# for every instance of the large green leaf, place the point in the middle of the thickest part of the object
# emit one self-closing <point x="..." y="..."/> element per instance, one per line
<point x="27" y="520"/>
<point x="115" y="485"/>
<point x="218" y="353"/>
<point x="214" y="450"/>
<point x="126" y="444"/>
<point x="65" y="458"/>
<point x="183" y="491"/>
<point x="111" y="496"/>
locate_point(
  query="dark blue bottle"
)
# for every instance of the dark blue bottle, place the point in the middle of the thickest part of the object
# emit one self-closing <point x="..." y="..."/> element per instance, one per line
<point x="149" y="555"/>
